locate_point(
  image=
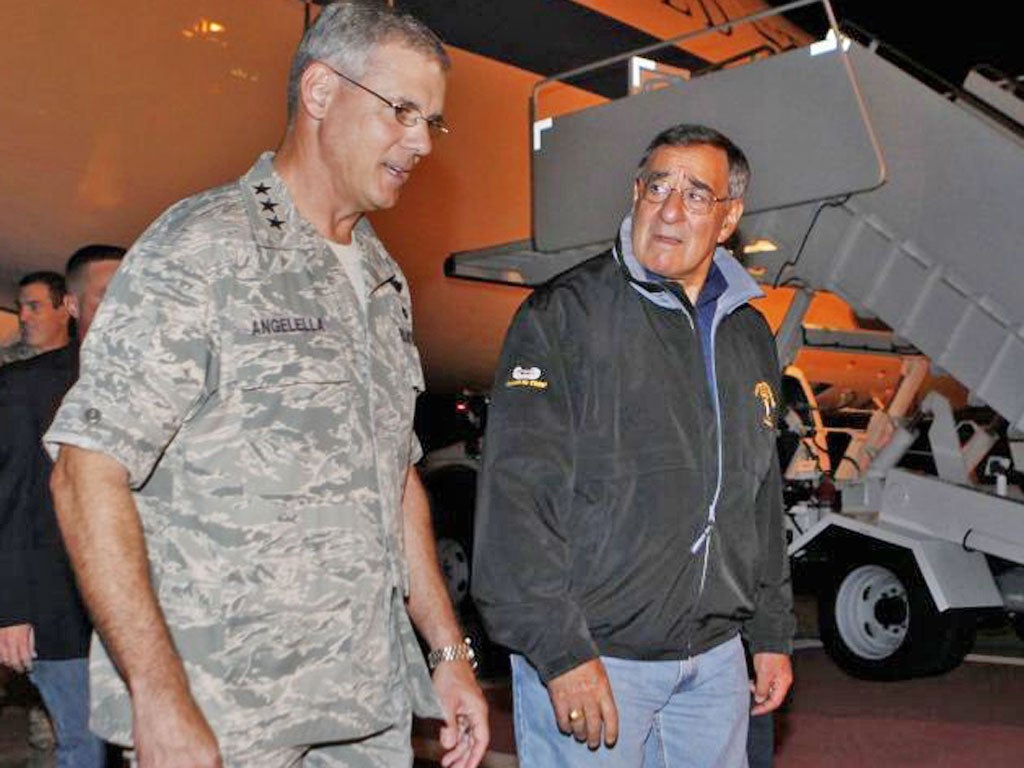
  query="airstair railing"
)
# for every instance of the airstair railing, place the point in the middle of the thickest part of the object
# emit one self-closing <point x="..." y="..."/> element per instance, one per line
<point x="579" y="157"/>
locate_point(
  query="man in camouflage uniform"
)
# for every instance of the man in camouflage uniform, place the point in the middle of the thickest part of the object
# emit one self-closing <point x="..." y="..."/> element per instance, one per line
<point x="244" y="418"/>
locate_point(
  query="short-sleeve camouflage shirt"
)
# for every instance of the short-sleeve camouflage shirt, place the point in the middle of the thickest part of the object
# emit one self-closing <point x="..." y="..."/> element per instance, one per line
<point x="265" y="420"/>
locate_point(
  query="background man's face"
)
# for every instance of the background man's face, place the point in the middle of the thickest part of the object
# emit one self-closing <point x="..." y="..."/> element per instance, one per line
<point x="87" y="291"/>
<point x="669" y="240"/>
<point x="43" y="326"/>
<point x="369" y="153"/>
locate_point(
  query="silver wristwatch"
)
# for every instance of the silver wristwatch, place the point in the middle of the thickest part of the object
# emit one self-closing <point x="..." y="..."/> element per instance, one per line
<point x="457" y="652"/>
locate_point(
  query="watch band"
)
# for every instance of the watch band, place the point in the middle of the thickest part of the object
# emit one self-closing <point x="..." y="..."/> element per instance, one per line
<point x="457" y="652"/>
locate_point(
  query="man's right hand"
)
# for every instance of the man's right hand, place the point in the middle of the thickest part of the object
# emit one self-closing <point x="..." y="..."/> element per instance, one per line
<point x="17" y="647"/>
<point x="584" y="704"/>
<point x="170" y="731"/>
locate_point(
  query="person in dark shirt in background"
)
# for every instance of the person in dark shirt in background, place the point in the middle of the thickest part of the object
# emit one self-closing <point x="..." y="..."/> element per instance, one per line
<point x="42" y="317"/>
<point x="44" y="629"/>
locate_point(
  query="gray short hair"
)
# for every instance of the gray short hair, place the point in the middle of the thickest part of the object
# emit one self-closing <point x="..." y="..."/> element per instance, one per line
<point x="688" y="135"/>
<point x="345" y="33"/>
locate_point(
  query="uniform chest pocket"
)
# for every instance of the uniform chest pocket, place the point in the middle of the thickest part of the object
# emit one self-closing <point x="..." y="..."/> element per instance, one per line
<point x="300" y="418"/>
<point x="304" y="351"/>
<point x="394" y="346"/>
<point x="289" y="324"/>
<point x="414" y="368"/>
<point x="396" y="372"/>
<point x="304" y="444"/>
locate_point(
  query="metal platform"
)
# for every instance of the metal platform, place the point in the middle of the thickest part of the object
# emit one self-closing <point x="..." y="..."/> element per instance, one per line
<point x="866" y="182"/>
<point x="934" y="252"/>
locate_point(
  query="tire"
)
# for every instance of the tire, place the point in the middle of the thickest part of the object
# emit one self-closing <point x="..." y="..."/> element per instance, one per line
<point x="452" y="494"/>
<point x="878" y="622"/>
<point x="455" y="562"/>
<point x="1018" y="625"/>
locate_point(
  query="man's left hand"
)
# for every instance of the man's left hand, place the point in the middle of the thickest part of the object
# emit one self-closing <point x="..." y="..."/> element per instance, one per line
<point x="466" y="732"/>
<point x="17" y="647"/>
<point x="773" y="675"/>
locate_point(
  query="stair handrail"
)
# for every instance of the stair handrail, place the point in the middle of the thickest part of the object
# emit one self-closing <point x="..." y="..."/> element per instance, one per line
<point x="726" y="25"/>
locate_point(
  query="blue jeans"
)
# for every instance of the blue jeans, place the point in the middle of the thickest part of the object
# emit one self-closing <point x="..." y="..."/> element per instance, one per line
<point x="64" y="686"/>
<point x="672" y="714"/>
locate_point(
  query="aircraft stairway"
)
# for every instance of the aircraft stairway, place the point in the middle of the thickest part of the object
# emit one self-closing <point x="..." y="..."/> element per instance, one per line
<point x="904" y="201"/>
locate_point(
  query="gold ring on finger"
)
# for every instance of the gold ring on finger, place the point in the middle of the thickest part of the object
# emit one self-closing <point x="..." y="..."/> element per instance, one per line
<point x="574" y="715"/>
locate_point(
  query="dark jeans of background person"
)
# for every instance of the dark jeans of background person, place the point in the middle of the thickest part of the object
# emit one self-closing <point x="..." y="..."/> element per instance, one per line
<point x="761" y="741"/>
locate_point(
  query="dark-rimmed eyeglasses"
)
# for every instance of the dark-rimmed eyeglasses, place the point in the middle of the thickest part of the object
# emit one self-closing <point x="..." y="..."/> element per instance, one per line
<point x="405" y="113"/>
<point x="696" y="200"/>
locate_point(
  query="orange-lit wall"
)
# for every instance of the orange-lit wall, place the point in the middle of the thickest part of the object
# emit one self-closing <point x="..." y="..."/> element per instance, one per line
<point x="665" y="22"/>
<point x="8" y="328"/>
<point x="111" y="111"/>
<point x="474" y="192"/>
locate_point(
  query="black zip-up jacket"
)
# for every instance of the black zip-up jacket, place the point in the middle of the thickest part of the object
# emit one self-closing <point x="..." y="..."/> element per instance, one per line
<point x="37" y="585"/>
<point x="601" y="465"/>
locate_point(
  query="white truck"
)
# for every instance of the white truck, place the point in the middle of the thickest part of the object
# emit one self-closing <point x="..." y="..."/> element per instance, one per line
<point x="905" y="560"/>
<point x="902" y="195"/>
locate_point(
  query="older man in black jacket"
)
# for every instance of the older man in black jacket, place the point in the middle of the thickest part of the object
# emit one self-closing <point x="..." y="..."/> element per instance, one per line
<point x="630" y="525"/>
<point x="44" y="629"/>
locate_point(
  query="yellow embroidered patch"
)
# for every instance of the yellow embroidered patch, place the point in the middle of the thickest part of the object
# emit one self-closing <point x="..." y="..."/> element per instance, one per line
<point x="764" y="393"/>
<point x="534" y="384"/>
<point x="526" y="377"/>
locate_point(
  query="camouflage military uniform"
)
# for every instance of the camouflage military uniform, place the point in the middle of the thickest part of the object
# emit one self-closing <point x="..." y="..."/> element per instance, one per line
<point x="265" y="421"/>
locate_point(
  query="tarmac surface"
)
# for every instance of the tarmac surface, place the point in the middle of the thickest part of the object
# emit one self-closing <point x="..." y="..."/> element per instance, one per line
<point x="972" y="716"/>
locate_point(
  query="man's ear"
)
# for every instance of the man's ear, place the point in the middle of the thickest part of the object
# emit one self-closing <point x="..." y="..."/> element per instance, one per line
<point x="71" y="305"/>
<point x="315" y="87"/>
<point x="731" y="220"/>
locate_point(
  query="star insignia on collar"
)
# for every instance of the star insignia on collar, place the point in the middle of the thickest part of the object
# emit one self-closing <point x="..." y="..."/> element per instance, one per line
<point x="261" y="189"/>
<point x="276" y="223"/>
<point x="268" y="205"/>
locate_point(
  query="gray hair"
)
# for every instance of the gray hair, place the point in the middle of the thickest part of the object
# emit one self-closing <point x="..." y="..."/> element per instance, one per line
<point x="688" y="135"/>
<point x="345" y="33"/>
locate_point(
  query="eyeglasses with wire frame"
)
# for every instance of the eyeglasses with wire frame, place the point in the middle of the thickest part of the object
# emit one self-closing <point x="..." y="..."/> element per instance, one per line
<point x="405" y="113"/>
<point x="697" y="200"/>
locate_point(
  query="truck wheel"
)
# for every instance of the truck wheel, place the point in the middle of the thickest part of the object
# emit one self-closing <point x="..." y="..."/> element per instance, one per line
<point x="1018" y="625"/>
<point x="452" y="494"/>
<point x="878" y="622"/>
<point x="454" y="561"/>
